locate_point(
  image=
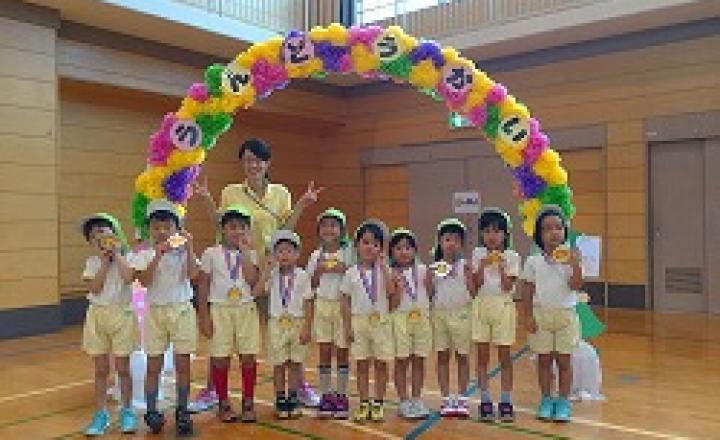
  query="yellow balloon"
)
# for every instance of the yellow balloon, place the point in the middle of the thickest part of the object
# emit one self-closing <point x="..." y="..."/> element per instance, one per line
<point x="424" y="75"/>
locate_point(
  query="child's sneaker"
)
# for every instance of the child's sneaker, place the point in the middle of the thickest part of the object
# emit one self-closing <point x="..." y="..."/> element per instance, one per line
<point x="563" y="411"/>
<point x="546" y="408"/>
<point x="205" y="400"/>
<point x="226" y="414"/>
<point x="447" y="407"/>
<point x="342" y="407"/>
<point x="293" y="403"/>
<point x="308" y="396"/>
<point x="183" y="423"/>
<point x="99" y="424"/>
<point x="506" y="412"/>
<point x="327" y="406"/>
<point x="462" y="409"/>
<point x="420" y="411"/>
<point x="155" y="421"/>
<point x="282" y="410"/>
<point x="248" y="412"/>
<point x="406" y="409"/>
<point x="362" y="413"/>
<point x="486" y="412"/>
<point x="128" y="421"/>
<point x="377" y="412"/>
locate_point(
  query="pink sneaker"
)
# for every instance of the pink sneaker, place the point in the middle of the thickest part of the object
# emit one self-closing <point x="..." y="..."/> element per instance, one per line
<point x="308" y="396"/>
<point x="205" y="400"/>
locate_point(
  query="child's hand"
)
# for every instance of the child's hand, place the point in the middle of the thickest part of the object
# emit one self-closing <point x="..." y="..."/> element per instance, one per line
<point x="201" y="189"/>
<point x="305" y="336"/>
<point x="206" y="327"/>
<point x="382" y="260"/>
<point x="468" y="270"/>
<point x="188" y="239"/>
<point x="575" y="257"/>
<point x="531" y="325"/>
<point x="245" y="244"/>
<point x="162" y="248"/>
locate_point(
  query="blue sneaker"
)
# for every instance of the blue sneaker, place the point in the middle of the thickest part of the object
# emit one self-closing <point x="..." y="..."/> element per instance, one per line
<point x="546" y="410"/>
<point x="563" y="411"/>
<point x="99" y="424"/>
<point x="128" y="421"/>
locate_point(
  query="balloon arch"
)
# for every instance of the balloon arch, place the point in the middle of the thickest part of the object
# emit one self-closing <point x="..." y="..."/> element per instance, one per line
<point x="185" y="137"/>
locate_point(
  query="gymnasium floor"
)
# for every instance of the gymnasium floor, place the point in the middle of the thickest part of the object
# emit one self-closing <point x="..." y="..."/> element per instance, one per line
<point x="661" y="379"/>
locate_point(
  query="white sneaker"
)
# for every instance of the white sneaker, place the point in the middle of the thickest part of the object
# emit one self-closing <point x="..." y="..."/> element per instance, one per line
<point x="462" y="407"/>
<point x="447" y="407"/>
<point x="420" y="411"/>
<point x="405" y="409"/>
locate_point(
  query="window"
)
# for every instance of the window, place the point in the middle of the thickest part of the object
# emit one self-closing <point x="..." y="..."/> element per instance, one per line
<point x="369" y="11"/>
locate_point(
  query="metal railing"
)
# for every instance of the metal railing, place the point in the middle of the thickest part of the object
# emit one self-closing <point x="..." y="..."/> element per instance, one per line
<point x="451" y="17"/>
<point x="275" y="15"/>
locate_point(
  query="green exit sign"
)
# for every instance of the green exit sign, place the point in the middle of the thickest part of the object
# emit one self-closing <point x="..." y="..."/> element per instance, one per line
<point x="456" y="120"/>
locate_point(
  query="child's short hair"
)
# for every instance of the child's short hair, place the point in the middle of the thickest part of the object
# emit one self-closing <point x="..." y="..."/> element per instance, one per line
<point x="285" y="236"/>
<point x="93" y="222"/>
<point x="338" y="215"/>
<point x="374" y="228"/>
<point x="548" y="211"/>
<point x="448" y="226"/>
<point x="396" y="237"/>
<point x="498" y="218"/>
<point x="257" y="147"/>
<point x="235" y="212"/>
<point x="163" y="210"/>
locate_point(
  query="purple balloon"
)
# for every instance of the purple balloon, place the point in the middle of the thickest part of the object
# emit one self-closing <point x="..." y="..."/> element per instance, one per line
<point x="530" y="184"/>
<point x="331" y="55"/>
<point x="177" y="185"/>
<point x="425" y="50"/>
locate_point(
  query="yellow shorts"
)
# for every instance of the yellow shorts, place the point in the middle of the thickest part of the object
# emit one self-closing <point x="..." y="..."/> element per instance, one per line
<point x="494" y="319"/>
<point x="111" y="329"/>
<point x="171" y="323"/>
<point x="328" y="323"/>
<point x="284" y="341"/>
<point x="236" y="329"/>
<point x="373" y="338"/>
<point x="557" y="330"/>
<point x="451" y="329"/>
<point x="413" y="333"/>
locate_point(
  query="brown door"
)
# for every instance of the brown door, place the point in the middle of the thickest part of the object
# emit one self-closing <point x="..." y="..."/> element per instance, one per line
<point x="432" y="185"/>
<point x="677" y="226"/>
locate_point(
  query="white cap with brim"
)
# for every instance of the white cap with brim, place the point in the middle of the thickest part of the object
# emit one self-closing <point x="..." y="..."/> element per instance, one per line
<point x="162" y="205"/>
<point x="284" y="235"/>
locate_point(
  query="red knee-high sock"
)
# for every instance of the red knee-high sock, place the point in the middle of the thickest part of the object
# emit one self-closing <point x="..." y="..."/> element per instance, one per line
<point x="248" y="381"/>
<point x="220" y="380"/>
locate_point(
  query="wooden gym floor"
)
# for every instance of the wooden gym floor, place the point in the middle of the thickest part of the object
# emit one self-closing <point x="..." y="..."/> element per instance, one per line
<point x="661" y="380"/>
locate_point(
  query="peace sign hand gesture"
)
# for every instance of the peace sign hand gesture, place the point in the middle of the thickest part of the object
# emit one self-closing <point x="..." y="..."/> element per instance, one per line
<point x="311" y="195"/>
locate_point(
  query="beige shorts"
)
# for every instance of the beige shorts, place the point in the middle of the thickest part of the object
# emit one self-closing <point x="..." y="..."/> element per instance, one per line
<point x="558" y="330"/>
<point x="373" y="337"/>
<point x="328" y="323"/>
<point x="451" y="329"/>
<point x="413" y="333"/>
<point x="171" y="323"/>
<point x="494" y="319"/>
<point x="284" y="341"/>
<point x="111" y="329"/>
<point x="236" y="329"/>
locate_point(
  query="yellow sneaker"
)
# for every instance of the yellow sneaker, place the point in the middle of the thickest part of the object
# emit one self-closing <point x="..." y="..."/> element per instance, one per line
<point x="377" y="412"/>
<point x="362" y="413"/>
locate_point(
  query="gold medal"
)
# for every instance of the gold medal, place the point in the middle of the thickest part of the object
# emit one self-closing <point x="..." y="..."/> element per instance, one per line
<point x="109" y="242"/>
<point x="495" y="257"/>
<point x="375" y="317"/>
<point x="441" y="268"/>
<point x="234" y="294"/>
<point x="414" y="315"/>
<point x="177" y="240"/>
<point x="285" y="321"/>
<point x="331" y="260"/>
<point x="561" y="254"/>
